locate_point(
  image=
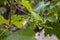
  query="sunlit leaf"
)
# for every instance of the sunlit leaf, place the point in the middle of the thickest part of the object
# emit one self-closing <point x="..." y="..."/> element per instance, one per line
<point x="16" y="20"/>
<point x="2" y="20"/>
<point x="26" y="4"/>
<point x="36" y="16"/>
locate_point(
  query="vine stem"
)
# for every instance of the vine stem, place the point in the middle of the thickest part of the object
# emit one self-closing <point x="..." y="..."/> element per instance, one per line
<point x="10" y="16"/>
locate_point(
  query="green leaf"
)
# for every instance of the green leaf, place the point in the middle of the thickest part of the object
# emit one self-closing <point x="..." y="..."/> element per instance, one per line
<point x="36" y="16"/>
<point x="2" y="20"/>
<point x="24" y="34"/>
<point x="55" y="30"/>
<point x="18" y="24"/>
<point x="26" y="4"/>
<point x="41" y="7"/>
<point x="51" y="19"/>
<point x="16" y="20"/>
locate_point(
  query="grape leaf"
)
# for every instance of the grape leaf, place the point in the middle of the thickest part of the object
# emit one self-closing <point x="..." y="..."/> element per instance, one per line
<point x="2" y="20"/>
<point x="51" y="19"/>
<point x="55" y="30"/>
<point x="24" y="34"/>
<point x="26" y="4"/>
<point x="17" y="21"/>
<point x="41" y="7"/>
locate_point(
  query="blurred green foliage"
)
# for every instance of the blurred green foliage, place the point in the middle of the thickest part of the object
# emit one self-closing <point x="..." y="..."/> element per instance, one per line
<point x="43" y="14"/>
